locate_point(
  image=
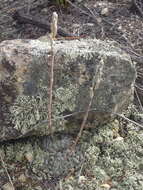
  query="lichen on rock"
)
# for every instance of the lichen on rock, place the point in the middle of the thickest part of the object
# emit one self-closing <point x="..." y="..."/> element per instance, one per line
<point x="78" y="66"/>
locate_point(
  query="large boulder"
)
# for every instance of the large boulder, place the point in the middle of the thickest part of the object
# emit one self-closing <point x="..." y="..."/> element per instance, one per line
<point x="79" y="65"/>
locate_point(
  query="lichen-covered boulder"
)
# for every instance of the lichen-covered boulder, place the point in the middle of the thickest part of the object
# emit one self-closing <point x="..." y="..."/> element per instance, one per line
<point x="78" y="66"/>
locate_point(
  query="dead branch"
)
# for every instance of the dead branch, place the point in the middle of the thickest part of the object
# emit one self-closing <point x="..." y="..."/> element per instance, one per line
<point x="95" y="84"/>
<point x="51" y="89"/>
<point x="52" y="36"/>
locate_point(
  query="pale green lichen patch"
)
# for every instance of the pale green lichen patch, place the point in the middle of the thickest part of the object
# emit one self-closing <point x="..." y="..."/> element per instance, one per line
<point x="29" y="110"/>
<point x="65" y="98"/>
<point x="105" y="155"/>
<point x="84" y="48"/>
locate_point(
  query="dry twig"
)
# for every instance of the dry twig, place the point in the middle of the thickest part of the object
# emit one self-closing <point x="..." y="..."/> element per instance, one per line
<point x="52" y="37"/>
<point x="95" y="84"/>
<point x="139" y="101"/>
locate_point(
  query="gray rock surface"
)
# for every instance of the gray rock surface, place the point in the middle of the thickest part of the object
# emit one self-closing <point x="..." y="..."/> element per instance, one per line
<point x="78" y="66"/>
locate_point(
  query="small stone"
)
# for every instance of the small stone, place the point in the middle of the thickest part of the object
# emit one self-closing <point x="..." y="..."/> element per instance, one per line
<point x="76" y="25"/>
<point x="70" y="187"/>
<point x="44" y="11"/>
<point x="119" y="27"/>
<point x="29" y="156"/>
<point x="119" y="139"/>
<point x="105" y="11"/>
<point x="99" y="20"/>
<point x="106" y="186"/>
<point x="38" y="188"/>
<point x="89" y="24"/>
<point x="81" y="179"/>
<point x="22" y="178"/>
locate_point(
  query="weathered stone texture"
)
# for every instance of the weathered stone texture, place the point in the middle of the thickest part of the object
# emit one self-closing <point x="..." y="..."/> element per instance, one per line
<point x="78" y="65"/>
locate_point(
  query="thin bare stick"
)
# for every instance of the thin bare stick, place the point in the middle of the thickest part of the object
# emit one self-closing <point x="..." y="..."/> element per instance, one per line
<point x="79" y="9"/>
<point x="51" y="91"/>
<point x="139" y="87"/>
<point x="95" y="84"/>
<point x="4" y="166"/>
<point x="83" y="122"/>
<point x="129" y="120"/>
<point x="78" y="112"/>
<point x="52" y="37"/>
<point x="139" y="101"/>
